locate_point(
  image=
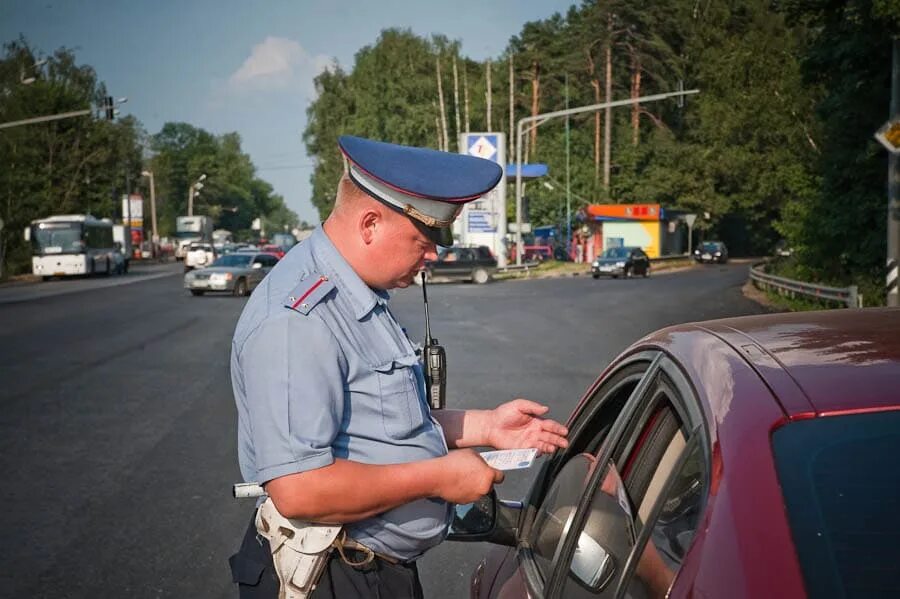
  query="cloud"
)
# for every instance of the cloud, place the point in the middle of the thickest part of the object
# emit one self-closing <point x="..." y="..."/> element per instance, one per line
<point x="279" y="63"/>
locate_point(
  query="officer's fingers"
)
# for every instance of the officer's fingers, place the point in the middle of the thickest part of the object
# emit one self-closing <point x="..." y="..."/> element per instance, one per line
<point x="498" y="476"/>
<point x="548" y="448"/>
<point x="555" y="440"/>
<point x="552" y="426"/>
<point x="527" y="406"/>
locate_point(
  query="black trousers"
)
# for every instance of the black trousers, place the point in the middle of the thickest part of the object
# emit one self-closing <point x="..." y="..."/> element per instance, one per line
<point x="253" y="571"/>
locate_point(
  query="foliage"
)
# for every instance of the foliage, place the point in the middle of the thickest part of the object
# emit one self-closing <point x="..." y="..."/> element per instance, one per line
<point x="839" y="232"/>
<point x="778" y="144"/>
<point x="231" y="193"/>
<point x="75" y="165"/>
<point x="86" y="164"/>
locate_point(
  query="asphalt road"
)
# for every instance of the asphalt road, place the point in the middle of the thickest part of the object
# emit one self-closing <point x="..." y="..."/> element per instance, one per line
<point x="117" y="425"/>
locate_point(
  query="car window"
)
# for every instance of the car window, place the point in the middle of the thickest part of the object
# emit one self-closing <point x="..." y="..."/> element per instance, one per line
<point x="674" y="528"/>
<point x="841" y="501"/>
<point x="466" y="255"/>
<point x="643" y="513"/>
<point x="484" y="253"/>
<point x="556" y="511"/>
<point x="586" y="438"/>
<point x="267" y="261"/>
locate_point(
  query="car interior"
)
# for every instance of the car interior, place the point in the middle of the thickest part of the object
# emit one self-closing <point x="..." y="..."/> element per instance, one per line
<point x="643" y="513"/>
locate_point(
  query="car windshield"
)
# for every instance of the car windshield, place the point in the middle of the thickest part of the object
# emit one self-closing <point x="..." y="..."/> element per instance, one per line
<point x="841" y="500"/>
<point x="710" y="246"/>
<point x="616" y="252"/>
<point x="233" y="260"/>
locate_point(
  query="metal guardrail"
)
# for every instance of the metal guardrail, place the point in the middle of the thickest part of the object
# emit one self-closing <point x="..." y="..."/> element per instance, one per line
<point x="517" y="267"/>
<point x="846" y="295"/>
<point x="671" y="257"/>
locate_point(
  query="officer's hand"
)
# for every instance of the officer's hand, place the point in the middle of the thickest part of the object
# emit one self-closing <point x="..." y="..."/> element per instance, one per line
<point x="464" y="476"/>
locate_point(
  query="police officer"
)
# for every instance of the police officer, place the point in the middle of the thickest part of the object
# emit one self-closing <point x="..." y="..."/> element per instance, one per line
<point x="330" y="396"/>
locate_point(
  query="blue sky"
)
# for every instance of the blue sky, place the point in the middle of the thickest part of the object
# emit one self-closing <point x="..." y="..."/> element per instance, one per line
<point x="231" y="65"/>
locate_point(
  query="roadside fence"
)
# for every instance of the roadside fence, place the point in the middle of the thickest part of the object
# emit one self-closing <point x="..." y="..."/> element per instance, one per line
<point x="849" y="296"/>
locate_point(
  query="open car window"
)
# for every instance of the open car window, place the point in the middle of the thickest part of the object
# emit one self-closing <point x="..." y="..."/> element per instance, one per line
<point x="628" y="531"/>
<point x="568" y="482"/>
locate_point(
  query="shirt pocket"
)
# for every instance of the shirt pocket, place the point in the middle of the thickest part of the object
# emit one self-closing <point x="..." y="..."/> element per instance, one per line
<point x="401" y="408"/>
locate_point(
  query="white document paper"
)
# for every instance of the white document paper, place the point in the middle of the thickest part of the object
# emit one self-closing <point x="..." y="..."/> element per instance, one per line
<point x="510" y="459"/>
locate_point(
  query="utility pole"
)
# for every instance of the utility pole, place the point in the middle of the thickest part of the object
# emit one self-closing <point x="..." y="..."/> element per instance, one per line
<point x="488" y="92"/>
<point x="568" y="184"/>
<point x="149" y="174"/>
<point x="893" y="224"/>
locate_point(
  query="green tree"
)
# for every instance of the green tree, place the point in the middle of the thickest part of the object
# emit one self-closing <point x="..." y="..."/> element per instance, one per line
<point x="232" y="194"/>
<point x="74" y="165"/>
<point x="839" y="232"/>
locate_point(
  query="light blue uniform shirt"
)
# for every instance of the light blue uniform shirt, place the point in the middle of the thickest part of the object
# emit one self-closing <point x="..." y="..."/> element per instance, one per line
<point x="322" y="370"/>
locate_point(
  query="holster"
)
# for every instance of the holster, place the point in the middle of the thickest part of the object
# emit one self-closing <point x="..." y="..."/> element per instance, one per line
<point x="300" y="550"/>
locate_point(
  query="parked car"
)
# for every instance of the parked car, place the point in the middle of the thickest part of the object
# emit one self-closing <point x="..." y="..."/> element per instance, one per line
<point x="746" y="457"/>
<point x="277" y="250"/>
<point x="198" y="255"/>
<point x="238" y="273"/>
<point x="711" y="251"/>
<point x="621" y="262"/>
<point x="476" y="264"/>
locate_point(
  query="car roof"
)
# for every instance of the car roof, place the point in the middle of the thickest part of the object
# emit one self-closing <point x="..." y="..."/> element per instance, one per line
<point x="843" y="360"/>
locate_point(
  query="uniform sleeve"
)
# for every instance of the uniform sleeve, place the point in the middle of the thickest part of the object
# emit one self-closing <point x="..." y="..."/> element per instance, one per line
<point x="293" y="383"/>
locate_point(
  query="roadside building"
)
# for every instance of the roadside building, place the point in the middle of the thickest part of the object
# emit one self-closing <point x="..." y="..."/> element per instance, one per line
<point x="658" y="231"/>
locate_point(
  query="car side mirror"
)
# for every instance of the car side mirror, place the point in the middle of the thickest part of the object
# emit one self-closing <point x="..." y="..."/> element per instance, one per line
<point x="257" y="265"/>
<point x="27" y="234"/>
<point x="488" y="520"/>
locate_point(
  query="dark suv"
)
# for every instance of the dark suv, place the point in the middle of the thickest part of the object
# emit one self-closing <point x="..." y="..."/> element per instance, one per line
<point x="476" y="264"/>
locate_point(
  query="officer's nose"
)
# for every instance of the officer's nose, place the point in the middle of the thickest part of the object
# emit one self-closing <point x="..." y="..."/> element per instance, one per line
<point x="431" y="252"/>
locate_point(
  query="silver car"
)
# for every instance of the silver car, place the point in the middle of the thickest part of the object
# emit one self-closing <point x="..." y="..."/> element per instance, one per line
<point x="237" y="273"/>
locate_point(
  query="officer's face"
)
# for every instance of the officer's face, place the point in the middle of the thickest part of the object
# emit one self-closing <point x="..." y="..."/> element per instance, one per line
<point x="404" y="248"/>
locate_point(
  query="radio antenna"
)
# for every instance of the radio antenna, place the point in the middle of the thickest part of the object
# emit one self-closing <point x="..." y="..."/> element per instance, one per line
<point x="428" y="340"/>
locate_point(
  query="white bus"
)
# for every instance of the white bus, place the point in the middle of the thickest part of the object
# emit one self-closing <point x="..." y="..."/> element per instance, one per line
<point x="71" y="244"/>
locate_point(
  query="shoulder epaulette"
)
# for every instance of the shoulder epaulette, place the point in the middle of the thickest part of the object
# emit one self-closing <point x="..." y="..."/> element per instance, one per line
<point x="309" y="292"/>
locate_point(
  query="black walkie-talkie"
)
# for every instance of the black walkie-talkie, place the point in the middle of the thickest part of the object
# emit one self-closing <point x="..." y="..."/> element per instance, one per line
<point x="435" y="363"/>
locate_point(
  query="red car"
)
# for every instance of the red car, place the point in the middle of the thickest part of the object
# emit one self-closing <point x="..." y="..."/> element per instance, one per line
<point x="275" y="250"/>
<point x="751" y="457"/>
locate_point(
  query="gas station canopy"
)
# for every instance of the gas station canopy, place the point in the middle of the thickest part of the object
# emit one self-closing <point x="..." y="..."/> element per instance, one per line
<point x="529" y="171"/>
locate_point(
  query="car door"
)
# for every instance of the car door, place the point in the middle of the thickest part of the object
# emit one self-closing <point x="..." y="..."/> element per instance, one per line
<point x="641" y="261"/>
<point x="258" y="274"/>
<point x="617" y="511"/>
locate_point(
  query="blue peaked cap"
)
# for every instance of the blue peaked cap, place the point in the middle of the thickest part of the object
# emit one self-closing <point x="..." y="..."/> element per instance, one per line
<point x="427" y="185"/>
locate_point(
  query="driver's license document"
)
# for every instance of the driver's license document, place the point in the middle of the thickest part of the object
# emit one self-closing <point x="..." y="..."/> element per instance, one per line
<point x="510" y="459"/>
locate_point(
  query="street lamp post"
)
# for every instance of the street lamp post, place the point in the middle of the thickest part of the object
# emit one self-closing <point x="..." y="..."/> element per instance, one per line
<point x="539" y="119"/>
<point x="155" y="237"/>
<point x="195" y="187"/>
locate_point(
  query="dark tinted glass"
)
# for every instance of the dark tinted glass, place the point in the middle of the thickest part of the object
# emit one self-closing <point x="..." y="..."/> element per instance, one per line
<point x="673" y="530"/>
<point x="553" y="519"/>
<point x="842" y="491"/>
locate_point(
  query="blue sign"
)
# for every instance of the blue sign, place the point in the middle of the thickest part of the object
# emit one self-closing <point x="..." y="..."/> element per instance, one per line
<point x="479" y="221"/>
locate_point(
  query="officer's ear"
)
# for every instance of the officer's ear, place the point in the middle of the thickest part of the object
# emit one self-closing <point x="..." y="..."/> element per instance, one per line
<point x="370" y="221"/>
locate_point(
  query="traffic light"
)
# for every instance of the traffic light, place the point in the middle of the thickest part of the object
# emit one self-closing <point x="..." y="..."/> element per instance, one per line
<point x="109" y="108"/>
